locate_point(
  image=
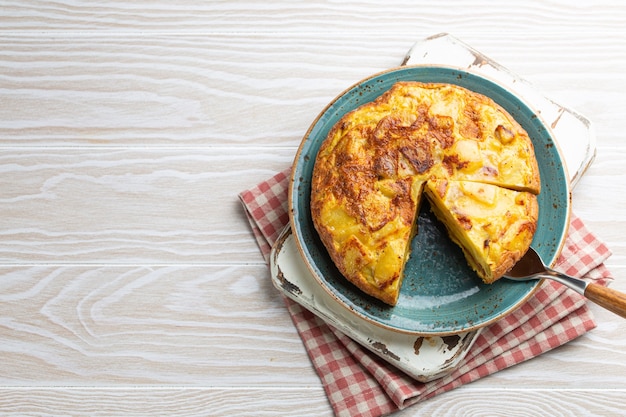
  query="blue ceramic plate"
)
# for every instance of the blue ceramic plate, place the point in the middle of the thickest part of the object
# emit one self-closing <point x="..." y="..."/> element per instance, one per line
<point x="440" y="294"/>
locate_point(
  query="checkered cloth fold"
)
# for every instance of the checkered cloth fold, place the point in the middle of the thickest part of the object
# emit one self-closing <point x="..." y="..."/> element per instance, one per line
<point x="359" y="383"/>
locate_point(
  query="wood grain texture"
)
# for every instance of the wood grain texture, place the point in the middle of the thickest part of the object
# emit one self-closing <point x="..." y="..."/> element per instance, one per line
<point x="147" y="325"/>
<point x="300" y="16"/>
<point x="266" y="89"/>
<point x="305" y="402"/>
<point x="172" y="90"/>
<point x="130" y="206"/>
<point x="130" y="283"/>
<point x="166" y="401"/>
<point x="607" y="298"/>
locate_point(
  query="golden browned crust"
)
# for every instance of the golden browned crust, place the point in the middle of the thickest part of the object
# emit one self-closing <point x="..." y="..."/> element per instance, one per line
<point x="370" y="170"/>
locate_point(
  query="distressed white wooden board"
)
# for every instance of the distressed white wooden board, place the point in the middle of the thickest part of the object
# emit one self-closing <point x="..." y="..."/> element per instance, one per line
<point x="109" y="328"/>
<point x="121" y="206"/>
<point x="261" y="90"/>
<point x="311" y="401"/>
<point x="161" y="52"/>
<point x="166" y="401"/>
<point x="164" y="325"/>
<point x="167" y="90"/>
<point x="507" y="19"/>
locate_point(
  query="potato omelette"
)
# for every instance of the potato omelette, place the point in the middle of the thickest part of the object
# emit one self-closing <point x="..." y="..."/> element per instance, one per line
<point x="460" y="149"/>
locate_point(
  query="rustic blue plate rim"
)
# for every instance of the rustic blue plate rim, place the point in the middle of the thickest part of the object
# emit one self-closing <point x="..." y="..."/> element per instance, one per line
<point x="439" y="295"/>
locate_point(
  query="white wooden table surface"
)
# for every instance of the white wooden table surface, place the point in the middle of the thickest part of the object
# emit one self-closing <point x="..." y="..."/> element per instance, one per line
<point x="130" y="283"/>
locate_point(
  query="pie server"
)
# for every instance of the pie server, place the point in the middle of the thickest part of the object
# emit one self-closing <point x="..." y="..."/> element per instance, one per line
<point x="532" y="267"/>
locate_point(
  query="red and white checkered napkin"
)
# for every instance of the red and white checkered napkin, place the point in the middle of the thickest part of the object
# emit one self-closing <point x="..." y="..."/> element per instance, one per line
<point x="359" y="383"/>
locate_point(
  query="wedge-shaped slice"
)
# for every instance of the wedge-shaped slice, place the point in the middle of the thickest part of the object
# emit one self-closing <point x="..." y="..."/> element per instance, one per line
<point x="488" y="144"/>
<point x="490" y="160"/>
<point x="368" y="232"/>
<point x="493" y="225"/>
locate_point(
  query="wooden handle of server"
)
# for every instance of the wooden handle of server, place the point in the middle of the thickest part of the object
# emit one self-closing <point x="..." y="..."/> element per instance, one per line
<point x="612" y="300"/>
